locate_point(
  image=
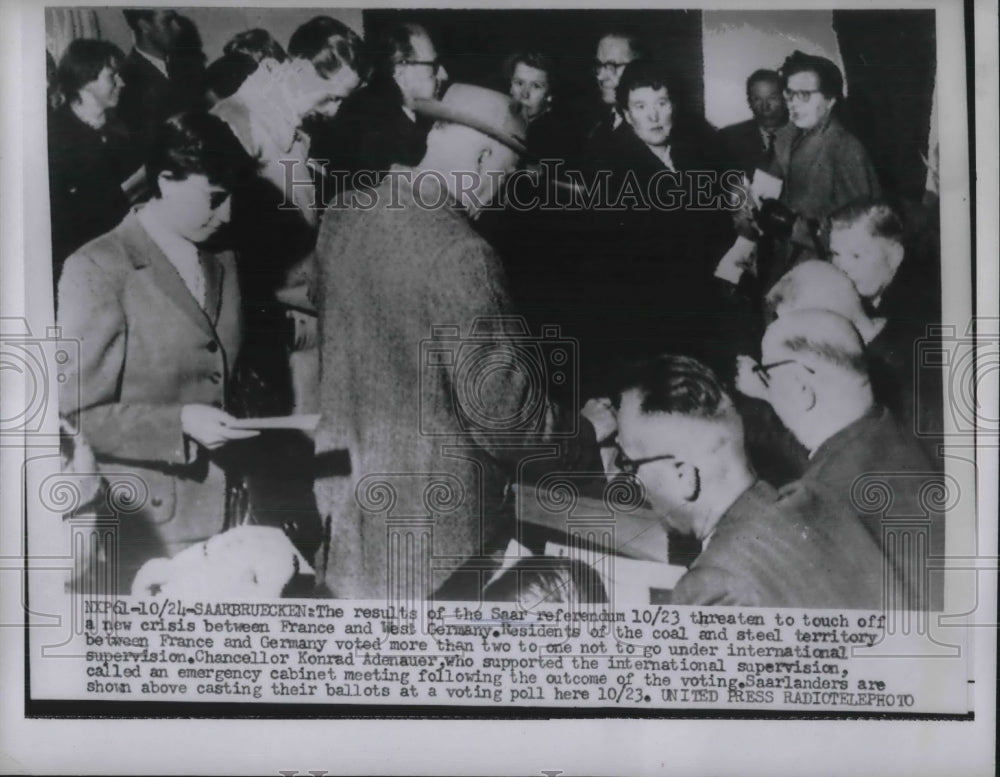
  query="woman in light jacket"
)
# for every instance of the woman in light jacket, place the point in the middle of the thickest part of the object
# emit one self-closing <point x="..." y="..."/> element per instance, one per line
<point x="156" y="313"/>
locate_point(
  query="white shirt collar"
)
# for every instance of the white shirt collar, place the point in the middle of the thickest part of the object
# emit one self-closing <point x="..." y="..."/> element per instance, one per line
<point x="182" y="255"/>
<point x="156" y="62"/>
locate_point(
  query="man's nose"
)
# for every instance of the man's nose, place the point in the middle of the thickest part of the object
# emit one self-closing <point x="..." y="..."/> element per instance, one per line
<point x="442" y="74"/>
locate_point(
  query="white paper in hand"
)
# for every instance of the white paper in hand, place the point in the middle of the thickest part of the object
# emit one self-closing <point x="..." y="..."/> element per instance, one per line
<point x="738" y="259"/>
<point x="765" y="186"/>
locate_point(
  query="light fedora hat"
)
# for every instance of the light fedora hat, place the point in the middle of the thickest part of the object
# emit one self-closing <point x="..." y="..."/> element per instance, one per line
<point x="485" y="110"/>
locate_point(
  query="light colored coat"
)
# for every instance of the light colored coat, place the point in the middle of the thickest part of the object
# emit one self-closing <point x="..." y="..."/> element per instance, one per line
<point x="146" y="349"/>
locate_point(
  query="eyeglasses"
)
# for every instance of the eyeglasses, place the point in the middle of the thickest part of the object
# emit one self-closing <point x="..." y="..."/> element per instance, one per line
<point x="600" y="67"/>
<point x="799" y="95"/>
<point x="435" y="64"/>
<point x="764" y="370"/>
<point x="631" y="466"/>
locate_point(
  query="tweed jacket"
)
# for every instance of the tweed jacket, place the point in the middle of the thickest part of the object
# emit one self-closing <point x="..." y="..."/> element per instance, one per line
<point x="414" y="356"/>
<point x="787" y="551"/>
<point x="850" y="470"/>
<point x="146" y="349"/>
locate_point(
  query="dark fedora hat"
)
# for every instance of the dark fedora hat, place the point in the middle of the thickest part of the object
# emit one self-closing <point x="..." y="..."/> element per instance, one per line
<point x="492" y="113"/>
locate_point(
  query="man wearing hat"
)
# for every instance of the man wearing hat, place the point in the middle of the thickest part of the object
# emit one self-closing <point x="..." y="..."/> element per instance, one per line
<point x="415" y="431"/>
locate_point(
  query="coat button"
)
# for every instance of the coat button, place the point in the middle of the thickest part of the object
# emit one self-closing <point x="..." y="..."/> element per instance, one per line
<point x="212" y="347"/>
<point x="156" y="501"/>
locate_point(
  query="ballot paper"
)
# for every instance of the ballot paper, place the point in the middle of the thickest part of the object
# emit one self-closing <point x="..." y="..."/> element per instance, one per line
<point x="741" y="256"/>
<point x="305" y="423"/>
<point x="765" y="186"/>
<point x="631" y="580"/>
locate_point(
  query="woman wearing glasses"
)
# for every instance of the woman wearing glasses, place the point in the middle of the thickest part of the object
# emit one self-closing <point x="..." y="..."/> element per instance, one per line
<point x="825" y="166"/>
<point x="156" y="315"/>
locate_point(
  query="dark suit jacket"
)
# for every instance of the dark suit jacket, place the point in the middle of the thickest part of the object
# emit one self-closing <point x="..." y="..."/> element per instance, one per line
<point x="147" y="98"/>
<point x="878" y="471"/>
<point x="771" y="551"/>
<point x="371" y="132"/>
<point x="146" y="349"/>
<point x="744" y="147"/>
<point x="86" y="170"/>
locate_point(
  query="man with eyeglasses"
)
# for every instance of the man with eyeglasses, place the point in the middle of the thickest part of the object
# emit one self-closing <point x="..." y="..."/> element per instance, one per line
<point x="377" y="126"/>
<point x="824" y="166"/>
<point x="614" y="51"/>
<point x="815" y="375"/>
<point x="681" y="436"/>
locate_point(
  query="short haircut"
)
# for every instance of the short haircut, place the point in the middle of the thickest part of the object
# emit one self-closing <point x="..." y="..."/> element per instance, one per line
<point x="831" y="80"/>
<point x="824" y="336"/>
<point x="639" y="74"/>
<point x="256" y="43"/>
<point x="677" y="384"/>
<point x="83" y="62"/>
<point x="535" y="59"/>
<point x="394" y="45"/>
<point x="227" y="74"/>
<point x="879" y="217"/>
<point x="763" y="75"/>
<point x="329" y="45"/>
<point x="543" y="580"/>
<point x="135" y="15"/>
<point x="196" y="143"/>
<point x="817" y="285"/>
<point x="635" y="42"/>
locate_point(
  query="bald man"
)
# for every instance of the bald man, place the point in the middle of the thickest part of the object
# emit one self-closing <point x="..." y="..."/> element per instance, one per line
<point x="815" y="376"/>
<point x="680" y="435"/>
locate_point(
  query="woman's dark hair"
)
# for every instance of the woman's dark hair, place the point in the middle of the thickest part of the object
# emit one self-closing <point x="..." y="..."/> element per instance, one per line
<point x="329" y="45"/>
<point x="831" y="80"/>
<point x="535" y="59"/>
<point x="83" y="62"/>
<point x="639" y="74"/>
<point x="196" y="143"/>
<point x="257" y="44"/>
<point x="228" y="72"/>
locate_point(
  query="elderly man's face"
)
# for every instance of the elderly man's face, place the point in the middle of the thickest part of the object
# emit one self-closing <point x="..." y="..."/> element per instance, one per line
<point x="650" y="114"/>
<point x="613" y="54"/>
<point x="421" y="76"/>
<point x="653" y="435"/>
<point x="869" y="261"/>
<point x="807" y="105"/>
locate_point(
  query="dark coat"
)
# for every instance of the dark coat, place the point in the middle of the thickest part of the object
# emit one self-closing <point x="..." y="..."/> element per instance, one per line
<point x="86" y="170"/>
<point x="878" y="471"/>
<point x="392" y="400"/>
<point x="656" y="246"/>
<point x="787" y="551"/>
<point x="148" y="97"/>
<point x="744" y="146"/>
<point x="371" y="132"/>
<point x="146" y="349"/>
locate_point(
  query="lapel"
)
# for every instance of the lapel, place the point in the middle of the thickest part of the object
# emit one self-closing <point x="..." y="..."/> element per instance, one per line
<point x="146" y="255"/>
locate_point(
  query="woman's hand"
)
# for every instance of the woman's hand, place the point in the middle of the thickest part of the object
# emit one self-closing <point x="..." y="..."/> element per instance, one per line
<point x="210" y="427"/>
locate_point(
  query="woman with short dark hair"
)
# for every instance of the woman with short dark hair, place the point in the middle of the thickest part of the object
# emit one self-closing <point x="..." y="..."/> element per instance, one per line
<point x="156" y="313"/>
<point x="90" y="152"/>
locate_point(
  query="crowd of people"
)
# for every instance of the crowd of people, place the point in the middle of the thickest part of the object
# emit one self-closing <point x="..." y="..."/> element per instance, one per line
<point x="335" y="229"/>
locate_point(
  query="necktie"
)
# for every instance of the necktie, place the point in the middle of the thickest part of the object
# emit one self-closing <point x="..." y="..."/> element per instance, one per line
<point x="769" y="151"/>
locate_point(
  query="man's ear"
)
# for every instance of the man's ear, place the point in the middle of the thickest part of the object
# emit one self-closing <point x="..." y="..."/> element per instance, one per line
<point x="690" y="480"/>
<point x="484" y="156"/>
<point x="804" y="393"/>
<point x="894" y="255"/>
